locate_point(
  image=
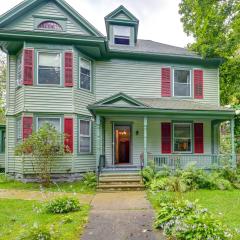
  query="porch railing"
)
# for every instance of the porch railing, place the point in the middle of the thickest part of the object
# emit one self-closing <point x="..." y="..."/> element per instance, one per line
<point x="182" y="161"/>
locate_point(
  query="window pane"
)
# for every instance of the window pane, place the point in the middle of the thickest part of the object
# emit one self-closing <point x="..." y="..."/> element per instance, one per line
<point x="84" y="127"/>
<point x="55" y="122"/>
<point x="182" y="83"/>
<point x="182" y="145"/>
<point x="19" y="129"/>
<point x="85" y="144"/>
<point x="49" y="68"/>
<point x="85" y="74"/>
<point x="19" y="70"/>
<point x="124" y="41"/>
<point x="182" y="130"/>
<point x="121" y="31"/>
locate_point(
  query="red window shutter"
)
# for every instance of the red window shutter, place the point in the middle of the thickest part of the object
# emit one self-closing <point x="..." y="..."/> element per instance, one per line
<point x="68" y="69"/>
<point x="198" y="138"/>
<point x="198" y="83"/>
<point x="28" y="66"/>
<point x="166" y="82"/>
<point x="68" y="131"/>
<point x="27" y="126"/>
<point x="166" y="137"/>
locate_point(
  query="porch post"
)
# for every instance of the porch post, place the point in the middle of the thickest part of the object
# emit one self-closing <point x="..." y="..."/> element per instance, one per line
<point x="233" y="143"/>
<point x="145" y="141"/>
<point x="97" y="141"/>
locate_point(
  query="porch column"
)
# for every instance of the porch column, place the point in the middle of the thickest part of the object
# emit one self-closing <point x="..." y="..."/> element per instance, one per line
<point x="233" y="143"/>
<point x="145" y="141"/>
<point x="97" y="141"/>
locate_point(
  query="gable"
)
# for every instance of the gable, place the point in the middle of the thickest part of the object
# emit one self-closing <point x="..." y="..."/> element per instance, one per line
<point x="28" y="17"/>
<point x="121" y="16"/>
<point x="121" y="103"/>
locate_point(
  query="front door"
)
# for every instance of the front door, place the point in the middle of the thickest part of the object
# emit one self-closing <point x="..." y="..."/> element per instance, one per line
<point x="122" y="144"/>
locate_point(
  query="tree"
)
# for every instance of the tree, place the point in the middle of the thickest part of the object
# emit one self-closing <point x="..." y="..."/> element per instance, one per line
<point x="3" y="76"/>
<point x="215" y="26"/>
<point x="44" y="147"/>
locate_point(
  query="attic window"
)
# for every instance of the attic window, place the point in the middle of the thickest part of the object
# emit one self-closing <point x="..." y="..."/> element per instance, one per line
<point x="121" y="35"/>
<point x="50" y="25"/>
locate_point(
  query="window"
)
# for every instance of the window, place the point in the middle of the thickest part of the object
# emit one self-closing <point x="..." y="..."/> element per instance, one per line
<point x="121" y="35"/>
<point x="19" y="129"/>
<point x="19" y="70"/>
<point x="85" y="74"/>
<point x="182" y="83"/>
<point x="50" y="25"/>
<point x="182" y="137"/>
<point x="49" y="68"/>
<point x="54" y="121"/>
<point x="85" y="136"/>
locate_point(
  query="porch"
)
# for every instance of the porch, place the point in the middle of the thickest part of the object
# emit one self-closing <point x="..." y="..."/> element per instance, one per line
<point x="163" y="137"/>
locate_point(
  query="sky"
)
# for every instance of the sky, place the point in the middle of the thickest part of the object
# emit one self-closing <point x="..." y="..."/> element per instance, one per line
<point x="159" y="19"/>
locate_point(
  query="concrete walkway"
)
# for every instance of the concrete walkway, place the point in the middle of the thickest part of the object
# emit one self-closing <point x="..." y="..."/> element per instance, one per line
<point x="120" y="216"/>
<point x="41" y="196"/>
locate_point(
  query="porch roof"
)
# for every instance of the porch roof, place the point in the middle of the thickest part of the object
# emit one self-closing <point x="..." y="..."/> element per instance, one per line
<point x="121" y="103"/>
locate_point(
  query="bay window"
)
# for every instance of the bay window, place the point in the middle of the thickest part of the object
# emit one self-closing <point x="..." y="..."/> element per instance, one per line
<point x="85" y="135"/>
<point x="121" y="35"/>
<point x="49" y="68"/>
<point x="182" y="137"/>
<point x="54" y="121"/>
<point x="85" y="74"/>
<point x="182" y="83"/>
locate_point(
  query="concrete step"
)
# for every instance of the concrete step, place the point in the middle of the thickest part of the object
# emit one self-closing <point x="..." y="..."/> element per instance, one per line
<point x="121" y="187"/>
<point x="120" y="175"/>
<point x="111" y="179"/>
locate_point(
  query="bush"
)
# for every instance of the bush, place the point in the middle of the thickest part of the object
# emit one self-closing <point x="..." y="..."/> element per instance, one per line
<point x="90" y="179"/>
<point x="63" y="205"/>
<point x="37" y="233"/>
<point x="185" y="220"/>
<point x="148" y="174"/>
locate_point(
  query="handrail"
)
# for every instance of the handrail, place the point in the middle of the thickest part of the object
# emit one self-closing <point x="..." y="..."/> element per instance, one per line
<point x="101" y="165"/>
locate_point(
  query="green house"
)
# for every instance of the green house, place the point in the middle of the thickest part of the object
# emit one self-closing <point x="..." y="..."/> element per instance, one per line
<point x="122" y="100"/>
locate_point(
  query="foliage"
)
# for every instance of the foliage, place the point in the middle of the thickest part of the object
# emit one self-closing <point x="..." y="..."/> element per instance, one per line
<point x="214" y="24"/>
<point x="90" y="180"/>
<point x="37" y="233"/>
<point x="3" y="77"/>
<point x="63" y="205"/>
<point x="186" y="220"/>
<point x="191" y="178"/>
<point x="44" y="146"/>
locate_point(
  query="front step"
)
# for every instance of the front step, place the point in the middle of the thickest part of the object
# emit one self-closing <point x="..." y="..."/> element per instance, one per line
<point x="120" y="182"/>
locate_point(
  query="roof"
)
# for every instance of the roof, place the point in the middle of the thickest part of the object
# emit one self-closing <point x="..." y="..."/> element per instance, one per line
<point x="148" y="46"/>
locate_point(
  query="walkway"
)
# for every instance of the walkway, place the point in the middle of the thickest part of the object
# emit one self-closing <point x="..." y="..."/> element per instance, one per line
<point x="120" y="216"/>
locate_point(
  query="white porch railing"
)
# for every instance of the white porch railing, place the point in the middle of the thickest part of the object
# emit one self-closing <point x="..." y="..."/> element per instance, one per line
<point x="206" y="161"/>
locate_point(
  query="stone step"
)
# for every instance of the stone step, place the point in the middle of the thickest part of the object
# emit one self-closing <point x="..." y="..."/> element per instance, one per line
<point x="121" y="187"/>
<point x="111" y="179"/>
<point x="120" y="175"/>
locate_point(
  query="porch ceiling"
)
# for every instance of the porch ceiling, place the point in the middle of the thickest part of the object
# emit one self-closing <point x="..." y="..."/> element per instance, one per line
<point x="159" y="107"/>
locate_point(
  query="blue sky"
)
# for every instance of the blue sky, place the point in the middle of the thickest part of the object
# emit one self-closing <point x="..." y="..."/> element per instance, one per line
<point x="159" y="19"/>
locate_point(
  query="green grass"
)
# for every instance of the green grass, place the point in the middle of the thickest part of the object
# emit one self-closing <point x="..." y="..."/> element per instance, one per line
<point x="17" y="216"/>
<point x="224" y="204"/>
<point x="77" y="186"/>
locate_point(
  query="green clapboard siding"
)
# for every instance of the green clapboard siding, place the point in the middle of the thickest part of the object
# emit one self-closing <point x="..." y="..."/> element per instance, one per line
<point x="47" y="9"/>
<point x="122" y="16"/>
<point x="143" y="79"/>
<point x="153" y="136"/>
<point x="2" y="160"/>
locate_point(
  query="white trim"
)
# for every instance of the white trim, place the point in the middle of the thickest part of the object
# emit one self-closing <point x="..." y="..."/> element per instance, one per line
<point x="90" y="64"/>
<point x="190" y="81"/>
<point x="191" y="137"/>
<point x="61" y="67"/>
<point x="82" y="135"/>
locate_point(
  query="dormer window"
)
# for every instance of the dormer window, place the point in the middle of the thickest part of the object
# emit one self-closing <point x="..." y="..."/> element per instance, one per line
<point x="50" y="25"/>
<point x="121" y="35"/>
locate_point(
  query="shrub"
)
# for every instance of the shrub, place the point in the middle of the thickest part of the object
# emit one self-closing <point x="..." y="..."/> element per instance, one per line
<point x="63" y="205"/>
<point x="90" y="179"/>
<point x="37" y="233"/>
<point x="185" y="220"/>
<point x="148" y="174"/>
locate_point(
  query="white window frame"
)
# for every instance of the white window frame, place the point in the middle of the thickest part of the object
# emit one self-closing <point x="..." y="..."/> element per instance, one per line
<point x="19" y="82"/>
<point x="123" y="37"/>
<point x="37" y="124"/>
<point x="190" y="81"/>
<point x="87" y="60"/>
<point x="191" y="137"/>
<point x="83" y="135"/>
<point x="61" y="67"/>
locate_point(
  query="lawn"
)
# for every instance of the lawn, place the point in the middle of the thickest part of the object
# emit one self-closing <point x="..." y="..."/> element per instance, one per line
<point x="224" y="204"/>
<point x="17" y="216"/>
<point x="77" y="186"/>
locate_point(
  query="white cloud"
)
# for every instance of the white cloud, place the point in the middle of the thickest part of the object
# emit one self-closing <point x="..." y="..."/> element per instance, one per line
<point x="159" y="19"/>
